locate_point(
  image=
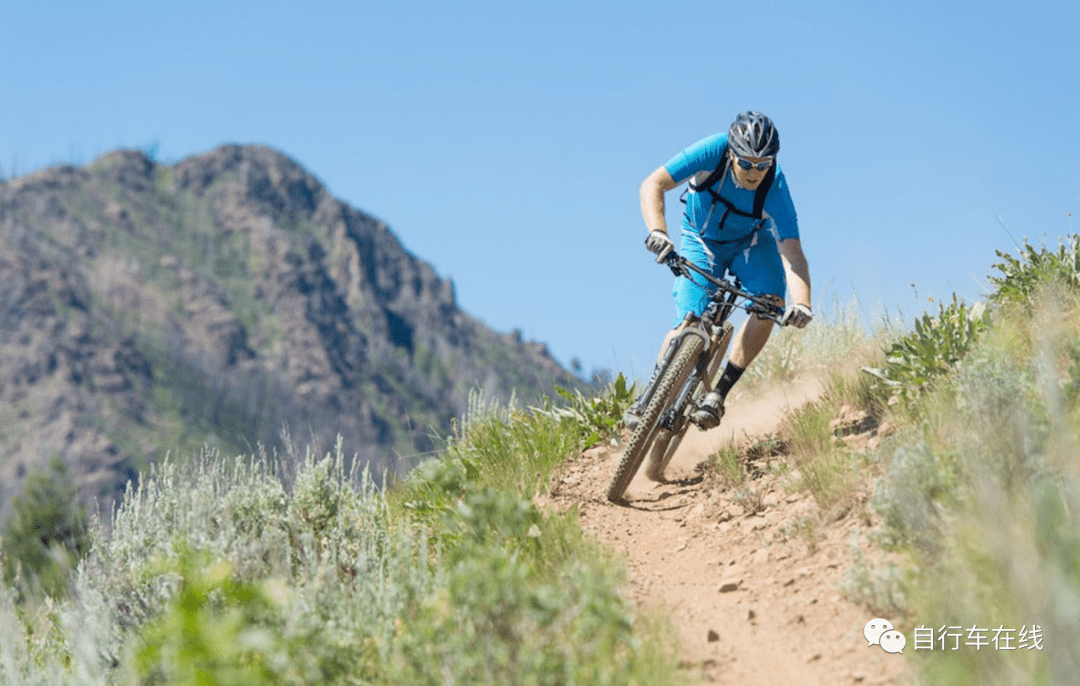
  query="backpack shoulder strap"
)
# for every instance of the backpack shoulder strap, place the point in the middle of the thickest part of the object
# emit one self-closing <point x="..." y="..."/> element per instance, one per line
<point x="714" y="176"/>
<point x="762" y="191"/>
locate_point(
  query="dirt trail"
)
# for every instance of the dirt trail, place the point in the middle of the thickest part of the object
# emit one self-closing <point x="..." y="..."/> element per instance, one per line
<point x="753" y="600"/>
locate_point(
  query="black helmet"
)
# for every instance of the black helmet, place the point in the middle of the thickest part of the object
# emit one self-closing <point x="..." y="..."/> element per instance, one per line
<point x="752" y="134"/>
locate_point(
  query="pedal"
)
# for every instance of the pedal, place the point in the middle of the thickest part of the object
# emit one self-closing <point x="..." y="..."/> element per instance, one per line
<point x="704" y="419"/>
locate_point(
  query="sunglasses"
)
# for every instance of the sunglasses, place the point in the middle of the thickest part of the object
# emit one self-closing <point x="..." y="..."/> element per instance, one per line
<point x="748" y="165"/>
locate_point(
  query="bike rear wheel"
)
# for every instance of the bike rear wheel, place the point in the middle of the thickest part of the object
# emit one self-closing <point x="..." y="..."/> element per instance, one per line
<point x="667" y="388"/>
<point x="664" y="447"/>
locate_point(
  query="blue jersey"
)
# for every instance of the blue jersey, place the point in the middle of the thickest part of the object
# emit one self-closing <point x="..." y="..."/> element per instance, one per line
<point x="714" y="220"/>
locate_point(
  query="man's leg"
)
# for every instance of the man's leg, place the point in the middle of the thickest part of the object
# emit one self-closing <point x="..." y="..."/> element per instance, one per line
<point x="760" y="270"/>
<point x="749" y="341"/>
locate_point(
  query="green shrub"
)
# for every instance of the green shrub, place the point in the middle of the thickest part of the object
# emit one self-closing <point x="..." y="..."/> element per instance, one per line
<point x="506" y="615"/>
<point x="882" y="591"/>
<point x="984" y="492"/>
<point x="512" y="449"/>
<point x="803" y="528"/>
<point x="48" y="532"/>
<point x="831" y="477"/>
<point x="919" y="481"/>
<point x="916" y="360"/>
<point x="1021" y="276"/>
<point x="216" y="630"/>
<point x="298" y="570"/>
<point x="806" y="430"/>
<point x="752" y="500"/>
<point x="597" y="418"/>
<point x="728" y="468"/>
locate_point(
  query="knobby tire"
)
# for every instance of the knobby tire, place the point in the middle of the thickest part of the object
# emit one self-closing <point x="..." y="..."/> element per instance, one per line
<point x="664" y="447"/>
<point x="667" y="442"/>
<point x="676" y="374"/>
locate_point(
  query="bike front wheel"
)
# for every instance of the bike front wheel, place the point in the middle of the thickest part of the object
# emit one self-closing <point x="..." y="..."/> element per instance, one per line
<point x="667" y="441"/>
<point x="667" y="388"/>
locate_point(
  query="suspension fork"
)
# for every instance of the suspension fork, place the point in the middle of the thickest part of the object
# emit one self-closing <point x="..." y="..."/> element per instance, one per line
<point x="706" y="372"/>
<point x="690" y="326"/>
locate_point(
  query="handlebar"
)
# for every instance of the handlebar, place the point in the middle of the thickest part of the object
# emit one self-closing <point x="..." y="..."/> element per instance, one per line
<point x="759" y="305"/>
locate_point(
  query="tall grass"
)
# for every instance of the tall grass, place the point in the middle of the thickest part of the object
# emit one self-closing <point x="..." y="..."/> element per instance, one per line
<point x="983" y="491"/>
<point x="837" y="341"/>
<point x="831" y="350"/>
<point x="979" y="488"/>
<point x="298" y="569"/>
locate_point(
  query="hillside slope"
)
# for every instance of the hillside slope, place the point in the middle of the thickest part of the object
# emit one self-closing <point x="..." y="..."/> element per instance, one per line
<point x="147" y="308"/>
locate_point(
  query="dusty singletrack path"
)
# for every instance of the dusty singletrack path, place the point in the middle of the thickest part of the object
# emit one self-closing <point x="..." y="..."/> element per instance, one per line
<point x="754" y="602"/>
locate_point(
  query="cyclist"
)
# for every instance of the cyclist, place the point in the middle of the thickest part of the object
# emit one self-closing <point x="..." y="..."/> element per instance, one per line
<point x="739" y="217"/>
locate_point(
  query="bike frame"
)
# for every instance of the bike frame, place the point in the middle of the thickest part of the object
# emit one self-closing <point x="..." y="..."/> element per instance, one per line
<point x="712" y="326"/>
<point x="683" y="384"/>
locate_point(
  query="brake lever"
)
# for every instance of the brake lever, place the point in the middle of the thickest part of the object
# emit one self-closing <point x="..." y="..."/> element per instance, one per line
<point x="674" y="263"/>
<point x="776" y="315"/>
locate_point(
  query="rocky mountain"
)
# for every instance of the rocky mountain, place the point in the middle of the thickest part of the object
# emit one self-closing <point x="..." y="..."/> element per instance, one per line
<point x="149" y="309"/>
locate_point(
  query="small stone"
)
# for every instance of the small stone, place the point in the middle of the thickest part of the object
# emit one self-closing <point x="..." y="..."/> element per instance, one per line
<point x="730" y="585"/>
<point x="712" y="636"/>
<point x="751" y="615"/>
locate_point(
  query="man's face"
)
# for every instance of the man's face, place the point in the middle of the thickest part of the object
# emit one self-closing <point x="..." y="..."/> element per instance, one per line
<point x="749" y="178"/>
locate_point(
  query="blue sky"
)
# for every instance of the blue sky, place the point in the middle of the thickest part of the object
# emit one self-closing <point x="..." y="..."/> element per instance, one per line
<point x="505" y="143"/>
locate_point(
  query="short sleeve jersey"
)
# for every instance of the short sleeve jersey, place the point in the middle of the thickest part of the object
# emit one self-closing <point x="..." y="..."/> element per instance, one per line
<point x="714" y="220"/>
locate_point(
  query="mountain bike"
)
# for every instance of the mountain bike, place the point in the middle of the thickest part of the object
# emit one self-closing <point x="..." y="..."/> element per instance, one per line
<point x="689" y="369"/>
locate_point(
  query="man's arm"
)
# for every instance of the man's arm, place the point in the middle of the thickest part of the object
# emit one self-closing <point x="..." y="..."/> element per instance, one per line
<point x="798" y="273"/>
<point x="652" y="199"/>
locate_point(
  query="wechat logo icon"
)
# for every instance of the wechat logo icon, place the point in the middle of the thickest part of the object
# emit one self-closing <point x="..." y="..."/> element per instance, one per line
<point x="893" y="642"/>
<point x="880" y="632"/>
